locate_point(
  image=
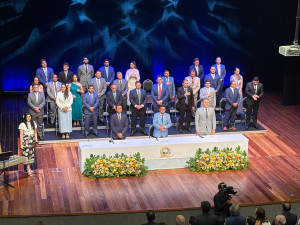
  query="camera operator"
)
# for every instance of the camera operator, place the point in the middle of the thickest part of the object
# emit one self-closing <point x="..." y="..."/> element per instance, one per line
<point x="222" y="201"/>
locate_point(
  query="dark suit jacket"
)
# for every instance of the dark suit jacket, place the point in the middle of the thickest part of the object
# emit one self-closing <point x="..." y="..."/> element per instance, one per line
<point x="88" y="103"/>
<point x="62" y="77"/>
<point x="251" y="91"/>
<point x="223" y="71"/>
<point x="181" y="98"/>
<point x="214" y="83"/>
<point x="230" y="98"/>
<point x="118" y="126"/>
<point x="111" y="101"/>
<point x="200" y="74"/>
<point x="221" y="206"/>
<point x="164" y="93"/>
<point x="42" y="76"/>
<point x="134" y="99"/>
<point x="150" y="223"/>
<point x="108" y="77"/>
<point x="207" y="219"/>
<point x="235" y="220"/>
<point x="291" y="218"/>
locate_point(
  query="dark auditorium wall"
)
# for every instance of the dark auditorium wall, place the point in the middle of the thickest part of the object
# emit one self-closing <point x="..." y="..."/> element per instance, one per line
<point x="157" y="34"/>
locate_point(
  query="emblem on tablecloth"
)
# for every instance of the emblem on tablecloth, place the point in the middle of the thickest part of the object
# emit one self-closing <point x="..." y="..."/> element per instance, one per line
<point x="165" y="152"/>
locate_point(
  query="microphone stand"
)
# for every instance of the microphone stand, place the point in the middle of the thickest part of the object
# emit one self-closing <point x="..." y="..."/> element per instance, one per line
<point x="295" y="43"/>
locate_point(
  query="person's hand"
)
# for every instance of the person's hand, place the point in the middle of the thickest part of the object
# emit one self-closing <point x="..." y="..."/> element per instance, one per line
<point x="173" y="98"/>
<point x="214" y="107"/>
<point x="74" y="96"/>
<point x="107" y="83"/>
<point x="123" y="95"/>
<point x="114" y="107"/>
<point x="21" y="146"/>
<point x="54" y="98"/>
<point x="120" y="135"/>
<point x="65" y="109"/>
<point x="221" y="79"/>
<point x="209" y="95"/>
<point x="193" y="80"/>
<point x="78" y="90"/>
<point x="46" y="84"/>
<point x="193" y="107"/>
<point x="216" y="91"/>
<point x="188" y="93"/>
<point x="99" y="95"/>
<point x="92" y="109"/>
<point x="37" y="109"/>
<point x="198" y="132"/>
<point x="213" y="131"/>
<point x="169" y="83"/>
<point x="235" y="104"/>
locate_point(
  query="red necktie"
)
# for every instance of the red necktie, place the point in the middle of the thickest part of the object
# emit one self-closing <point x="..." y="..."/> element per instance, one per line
<point x="159" y="92"/>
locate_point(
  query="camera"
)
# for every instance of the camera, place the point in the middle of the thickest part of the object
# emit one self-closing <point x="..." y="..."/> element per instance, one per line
<point x="227" y="190"/>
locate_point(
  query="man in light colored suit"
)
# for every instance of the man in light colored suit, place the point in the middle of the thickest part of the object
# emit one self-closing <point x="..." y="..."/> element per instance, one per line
<point x="36" y="102"/>
<point x="99" y="85"/>
<point x="119" y="124"/>
<point x="171" y="85"/>
<point x="122" y="85"/>
<point x="44" y="73"/>
<point x="85" y="73"/>
<point x="232" y="98"/>
<point x="194" y="83"/>
<point x="198" y="68"/>
<point x="90" y="102"/>
<point x="205" y="119"/>
<point x="221" y="71"/>
<point x="159" y="93"/>
<point x="209" y="93"/>
<point x="161" y="123"/>
<point x="53" y="88"/>
<point x="108" y="72"/>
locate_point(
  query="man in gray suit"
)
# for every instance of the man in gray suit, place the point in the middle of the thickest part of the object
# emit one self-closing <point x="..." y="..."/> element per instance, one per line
<point x="205" y="119"/>
<point x="36" y="102"/>
<point x="99" y="85"/>
<point x="52" y="89"/>
<point x="122" y="85"/>
<point x="209" y="93"/>
<point x="85" y="73"/>
<point x="119" y="124"/>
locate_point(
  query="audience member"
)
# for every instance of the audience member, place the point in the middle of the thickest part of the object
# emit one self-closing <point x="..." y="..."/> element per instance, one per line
<point x="85" y="73"/>
<point x="119" y="124"/>
<point x="260" y="217"/>
<point x="220" y="220"/>
<point x="198" y="68"/>
<point x="180" y="220"/>
<point x="235" y="218"/>
<point x="205" y="119"/>
<point x="44" y="73"/>
<point x="122" y="85"/>
<point x="108" y="72"/>
<point x="161" y="123"/>
<point x="280" y="220"/>
<point x="36" y="81"/>
<point x="132" y="75"/>
<point x="208" y="92"/>
<point x="291" y="218"/>
<point x="66" y="75"/>
<point x="206" y="218"/>
<point x="76" y="90"/>
<point x="193" y="221"/>
<point x="250" y="220"/>
<point x="151" y="218"/>
<point x="169" y="81"/>
<point x="232" y="99"/>
<point x="52" y="89"/>
<point x="159" y="93"/>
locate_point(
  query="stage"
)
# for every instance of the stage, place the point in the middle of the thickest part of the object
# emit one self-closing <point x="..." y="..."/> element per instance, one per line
<point x="61" y="189"/>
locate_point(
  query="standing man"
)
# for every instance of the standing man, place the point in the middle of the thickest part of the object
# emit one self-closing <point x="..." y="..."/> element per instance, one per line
<point x="221" y="71"/>
<point x="161" y="123"/>
<point x="99" y="85"/>
<point x="254" y="91"/>
<point x="108" y="72"/>
<point x="36" y="102"/>
<point x="91" y="103"/>
<point x="85" y="73"/>
<point x="65" y="76"/>
<point x="232" y="98"/>
<point x="194" y="83"/>
<point x="198" y="68"/>
<point x="122" y="85"/>
<point x="53" y="88"/>
<point x="214" y="80"/>
<point x="159" y="93"/>
<point x="209" y="93"/>
<point x="205" y="119"/>
<point x="44" y="73"/>
<point x="185" y="105"/>
<point x="221" y="201"/>
<point x="138" y="100"/>
<point x="119" y="124"/>
<point x="169" y="81"/>
<point x="114" y="98"/>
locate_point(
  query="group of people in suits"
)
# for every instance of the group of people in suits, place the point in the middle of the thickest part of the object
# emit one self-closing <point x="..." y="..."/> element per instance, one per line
<point x="99" y="89"/>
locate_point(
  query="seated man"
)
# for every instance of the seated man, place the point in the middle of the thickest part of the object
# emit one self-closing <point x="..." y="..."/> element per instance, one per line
<point x="162" y="123"/>
<point x="205" y="119"/>
<point x="119" y="124"/>
<point x="90" y="102"/>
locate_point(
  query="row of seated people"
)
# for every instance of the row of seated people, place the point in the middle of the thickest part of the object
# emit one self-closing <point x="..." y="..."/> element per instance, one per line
<point x="67" y="98"/>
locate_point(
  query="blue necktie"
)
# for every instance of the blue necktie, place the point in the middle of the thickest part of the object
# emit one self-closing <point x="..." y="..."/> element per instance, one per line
<point x="162" y="119"/>
<point x="115" y="96"/>
<point x="91" y="95"/>
<point x="206" y="114"/>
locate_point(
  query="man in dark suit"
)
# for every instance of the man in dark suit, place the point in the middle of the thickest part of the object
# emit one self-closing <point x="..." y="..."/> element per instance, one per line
<point x="198" y="68"/>
<point x="235" y="218"/>
<point x="44" y="73"/>
<point x="214" y="80"/>
<point x="206" y="218"/>
<point x="119" y="124"/>
<point x="159" y="93"/>
<point x="291" y="218"/>
<point x="169" y="81"/>
<point x="185" y="105"/>
<point x="108" y="72"/>
<point x="90" y="102"/>
<point x="150" y="217"/>
<point x="122" y="85"/>
<point x="138" y="100"/>
<point x="221" y="71"/>
<point x="65" y="76"/>
<point x="114" y="98"/>
<point x="221" y="201"/>
<point x="232" y="98"/>
<point x="254" y="91"/>
<point x="36" y="102"/>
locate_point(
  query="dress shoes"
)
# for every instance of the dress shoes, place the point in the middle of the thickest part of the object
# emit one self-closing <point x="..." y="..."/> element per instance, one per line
<point x="180" y="130"/>
<point x="188" y="129"/>
<point x="133" y="132"/>
<point x="232" y="128"/>
<point x="225" y="128"/>
<point x="96" y="133"/>
<point x="247" y="127"/>
<point x="255" y="126"/>
<point x="144" y="132"/>
<point x="41" y="138"/>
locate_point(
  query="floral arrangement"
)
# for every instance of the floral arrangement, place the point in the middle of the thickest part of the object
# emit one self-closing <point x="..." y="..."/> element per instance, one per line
<point x="114" y="166"/>
<point x="218" y="160"/>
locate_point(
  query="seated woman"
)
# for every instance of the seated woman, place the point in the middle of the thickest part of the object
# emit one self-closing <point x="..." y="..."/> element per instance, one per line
<point x="28" y="139"/>
<point x="76" y="89"/>
<point x="64" y="102"/>
<point x="36" y="81"/>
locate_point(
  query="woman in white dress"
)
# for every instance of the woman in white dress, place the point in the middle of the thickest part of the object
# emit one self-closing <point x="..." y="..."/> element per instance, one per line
<point x="238" y="78"/>
<point x="64" y="102"/>
<point x="132" y="75"/>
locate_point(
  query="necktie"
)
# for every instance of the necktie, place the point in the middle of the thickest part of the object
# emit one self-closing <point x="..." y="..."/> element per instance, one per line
<point x="37" y="96"/>
<point x="86" y="69"/>
<point x="167" y="79"/>
<point x="208" y="90"/>
<point x="55" y="88"/>
<point x="115" y="96"/>
<point x="213" y="76"/>
<point x="98" y="85"/>
<point x="139" y="96"/>
<point x="106" y="69"/>
<point x="162" y="119"/>
<point x="91" y="96"/>
<point x="45" y="71"/>
<point x="197" y="69"/>
<point x="255" y="88"/>
<point x="206" y="114"/>
<point x="159" y="91"/>
<point x="219" y="69"/>
<point x="186" y="99"/>
<point x="232" y="90"/>
<point x="121" y="84"/>
<point x="119" y="117"/>
<point x="66" y="74"/>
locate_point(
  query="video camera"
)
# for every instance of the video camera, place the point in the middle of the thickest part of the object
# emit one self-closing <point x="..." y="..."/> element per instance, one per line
<point x="227" y="190"/>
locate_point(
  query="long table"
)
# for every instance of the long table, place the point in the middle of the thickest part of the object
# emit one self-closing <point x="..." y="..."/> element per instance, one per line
<point x="166" y="153"/>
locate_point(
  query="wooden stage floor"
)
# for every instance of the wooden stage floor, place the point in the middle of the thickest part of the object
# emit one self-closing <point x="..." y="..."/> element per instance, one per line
<point x="273" y="176"/>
